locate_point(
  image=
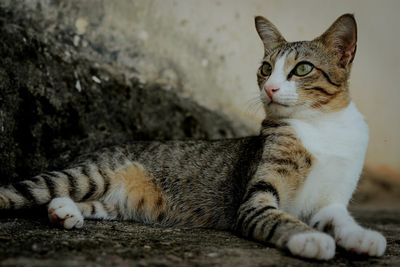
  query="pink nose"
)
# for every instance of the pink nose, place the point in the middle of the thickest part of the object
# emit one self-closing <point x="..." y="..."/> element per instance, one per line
<point x="270" y="90"/>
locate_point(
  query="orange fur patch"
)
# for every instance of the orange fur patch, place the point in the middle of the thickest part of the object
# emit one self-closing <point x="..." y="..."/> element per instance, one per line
<point x="143" y="194"/>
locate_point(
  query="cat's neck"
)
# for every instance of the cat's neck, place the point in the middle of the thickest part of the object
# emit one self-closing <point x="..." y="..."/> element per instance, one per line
<point x="348" y="113"/>
<point x="338" y="132"/>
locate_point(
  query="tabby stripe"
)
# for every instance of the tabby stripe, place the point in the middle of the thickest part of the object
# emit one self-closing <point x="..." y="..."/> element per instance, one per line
<point x="50" y="183"/>
<point x="281" y="52"/>
<point x="161" y="216"/>
<point x="140" y="204"/>
<point x="322" y="90"/>
<point x="269" y="220"/>
<point x="275" y="53"/>
<point x="296" y="56"/>
<point x="159" y="202"/>
<point x="242" y="216"/>
<point x="36" y="179"/>
<point x="282" y="171"/>
<point x="106" y="179"/>
<point x="252" y="225"/>
<point x="281" y="162"/>
<point x="72" y="190"/>
<point x="291" y="224"/>
<point x="308" y="161"/>
<point x="50" y="180"/>
<point x="92" y="208"/>
<point x="273" y="124"/>
<point x="280" y="135"/>
<point x="326" y="101"/>
<point x="261" y="187"/>
<point x="92" y="184"/>
<point x="272" y="231"/>
<point x="111" y="210"/>
<point x="271" y="54"/>
<point x="120" y="212"/>
<point x="23" y="189"/>
<point x="327" y="77"/>
<point x="252" y="217"/>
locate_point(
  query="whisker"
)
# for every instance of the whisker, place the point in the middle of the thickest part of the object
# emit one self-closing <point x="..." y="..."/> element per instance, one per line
<point x="255" y="104"/>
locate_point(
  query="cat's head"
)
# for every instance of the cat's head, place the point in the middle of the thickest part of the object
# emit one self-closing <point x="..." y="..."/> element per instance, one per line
<point x="302" y="79"/>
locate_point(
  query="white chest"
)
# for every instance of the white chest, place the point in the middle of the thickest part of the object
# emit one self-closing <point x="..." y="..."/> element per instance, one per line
<point x="338" y="142"/>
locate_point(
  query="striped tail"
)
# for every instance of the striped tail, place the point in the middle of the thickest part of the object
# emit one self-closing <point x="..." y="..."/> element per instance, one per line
<point x="81" y="183"/>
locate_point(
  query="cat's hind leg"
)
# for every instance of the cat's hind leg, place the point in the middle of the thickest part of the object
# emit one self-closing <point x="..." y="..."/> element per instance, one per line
<point x="336" y="220"/>
<point x="65" y="212"/>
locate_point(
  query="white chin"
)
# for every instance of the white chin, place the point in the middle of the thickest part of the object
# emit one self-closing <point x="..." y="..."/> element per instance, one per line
<point x="277" y="111"/>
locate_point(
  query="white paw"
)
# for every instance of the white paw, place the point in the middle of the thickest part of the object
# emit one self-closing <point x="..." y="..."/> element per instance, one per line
<point x="312" y="245"/>
<point x="63" y="211"/>
<point x="361" y="241"/>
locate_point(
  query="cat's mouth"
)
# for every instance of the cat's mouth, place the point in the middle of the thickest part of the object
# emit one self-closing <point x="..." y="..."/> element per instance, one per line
<point x="277" y="103"/>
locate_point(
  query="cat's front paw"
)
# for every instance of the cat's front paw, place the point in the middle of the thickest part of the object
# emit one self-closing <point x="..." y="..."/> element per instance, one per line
<point x="63" y="211"/>
<point x="312" y="245"/>
<point x="361" y="241"/>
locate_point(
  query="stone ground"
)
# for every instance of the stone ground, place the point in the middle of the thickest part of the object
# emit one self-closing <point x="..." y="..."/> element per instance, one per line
<point x="31" y="241"/>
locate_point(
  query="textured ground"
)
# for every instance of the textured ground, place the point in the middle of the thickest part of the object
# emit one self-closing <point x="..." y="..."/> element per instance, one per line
<point x="32" y="242"/>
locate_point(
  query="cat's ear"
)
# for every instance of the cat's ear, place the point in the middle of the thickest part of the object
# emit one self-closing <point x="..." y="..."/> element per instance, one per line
<point x="268" y="33"/>
<point x="342" y="38"/>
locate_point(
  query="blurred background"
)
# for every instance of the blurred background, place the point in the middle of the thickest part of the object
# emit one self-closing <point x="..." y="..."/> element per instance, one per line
<point x="209" y="51"/>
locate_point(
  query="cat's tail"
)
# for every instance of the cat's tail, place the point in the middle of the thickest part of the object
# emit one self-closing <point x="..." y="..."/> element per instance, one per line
<point x="82" y="183"/>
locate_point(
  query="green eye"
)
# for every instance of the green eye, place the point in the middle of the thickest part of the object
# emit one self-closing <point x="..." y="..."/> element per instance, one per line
<point x="302" y="69"/>
<point x="266" y="69"/>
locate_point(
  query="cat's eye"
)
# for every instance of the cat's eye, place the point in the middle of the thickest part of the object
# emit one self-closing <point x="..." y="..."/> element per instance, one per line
<point x="303" y="68"/>
<point x="266" y="69"/>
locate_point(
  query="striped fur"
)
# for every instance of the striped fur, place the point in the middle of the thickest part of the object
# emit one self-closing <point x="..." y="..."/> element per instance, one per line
<point x="279" y="187"/>
<point x="282" y="169"/>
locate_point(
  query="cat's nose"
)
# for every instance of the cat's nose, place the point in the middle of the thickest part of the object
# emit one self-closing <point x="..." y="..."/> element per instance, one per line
<point x="271" y="90"/>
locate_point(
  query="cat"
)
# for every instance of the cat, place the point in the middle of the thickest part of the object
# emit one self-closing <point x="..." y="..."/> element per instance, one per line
<point x="289" y="186"/>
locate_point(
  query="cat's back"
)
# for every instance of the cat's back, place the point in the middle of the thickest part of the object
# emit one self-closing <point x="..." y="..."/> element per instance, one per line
<point x="200" y="182"/>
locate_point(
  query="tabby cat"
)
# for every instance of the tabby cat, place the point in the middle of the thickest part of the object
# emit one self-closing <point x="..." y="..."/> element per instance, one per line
<point x="289" y="186"/>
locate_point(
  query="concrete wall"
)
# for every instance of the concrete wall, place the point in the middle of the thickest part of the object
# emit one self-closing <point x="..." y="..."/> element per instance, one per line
<point x="210" y="50"/>
<point x="213" y="46"/>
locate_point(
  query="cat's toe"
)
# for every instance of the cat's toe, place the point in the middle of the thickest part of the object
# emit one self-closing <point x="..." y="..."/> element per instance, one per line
<point x="312" y="245"/>
<point x="361" y="241"/>
<point x="63" y="211"/>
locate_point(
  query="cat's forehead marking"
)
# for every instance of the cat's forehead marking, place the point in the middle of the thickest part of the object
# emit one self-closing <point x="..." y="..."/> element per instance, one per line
<point x="293" y="50"/>
<point x="278" y="74"/>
